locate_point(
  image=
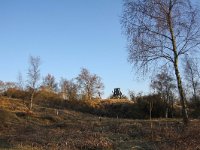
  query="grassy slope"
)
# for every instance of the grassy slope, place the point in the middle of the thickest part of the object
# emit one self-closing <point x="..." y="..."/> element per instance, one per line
<point x="44" y="129"/>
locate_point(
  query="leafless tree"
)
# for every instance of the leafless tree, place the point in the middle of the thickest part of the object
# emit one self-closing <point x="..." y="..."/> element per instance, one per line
<point x="192" y="75"/>
<point x="163" y="84"/>
<point x="69" y="89"/>
<point x="33" y="76"/>
<point x="4" y="86"/>
<point x="1" y="87"/>
<point x="90" y="84"/>
<point x="49" y="83"/>
<point x="159" y="32"/>
<point x="20" y="82"/>
<point x="9" y="85"/>
<point x="132" y="95"/>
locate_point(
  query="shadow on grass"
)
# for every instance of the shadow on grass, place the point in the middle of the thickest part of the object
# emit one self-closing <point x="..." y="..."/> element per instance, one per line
<point x="4" y="144"/>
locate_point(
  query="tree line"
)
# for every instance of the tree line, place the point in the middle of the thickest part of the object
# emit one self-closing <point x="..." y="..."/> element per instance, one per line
<point x="83" y="93"/>
<point x="85" y="86"/>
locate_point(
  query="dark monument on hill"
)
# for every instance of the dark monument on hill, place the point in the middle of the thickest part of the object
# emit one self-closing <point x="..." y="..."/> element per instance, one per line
<point x="117" y="93"/>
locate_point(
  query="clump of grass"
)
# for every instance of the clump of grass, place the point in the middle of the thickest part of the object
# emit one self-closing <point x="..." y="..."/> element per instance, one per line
<point x="8" y="117"/>
<point x="21" y="114"/>
<point x="4" y="143"/>
<point x="49" y="117"/>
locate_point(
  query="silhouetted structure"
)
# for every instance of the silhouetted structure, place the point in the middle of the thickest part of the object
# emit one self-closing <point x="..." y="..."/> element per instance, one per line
<point x="117" y="93"/>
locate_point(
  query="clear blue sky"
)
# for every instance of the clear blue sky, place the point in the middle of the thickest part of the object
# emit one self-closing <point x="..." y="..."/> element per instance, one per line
<point x="67" y="35"/>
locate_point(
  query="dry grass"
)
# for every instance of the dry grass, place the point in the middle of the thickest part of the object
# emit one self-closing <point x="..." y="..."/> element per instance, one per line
<point x="44" y="129"/>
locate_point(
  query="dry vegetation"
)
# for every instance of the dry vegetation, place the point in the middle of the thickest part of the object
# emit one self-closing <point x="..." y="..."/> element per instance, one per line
<point x="48" y="128"/>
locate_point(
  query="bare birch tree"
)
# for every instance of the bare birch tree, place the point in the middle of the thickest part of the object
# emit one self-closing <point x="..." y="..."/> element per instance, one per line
<point x="33" y="76"/>
<point x="90" y="84"/>
<point x="69" y="89"/>
<point x="49" y="83"/>
<point x="192" y="76"/>
<point x="20" y="82"/>
<point x="163" y="84"/>
<point x="1" y="87"/>
<point x="160" y="32"/>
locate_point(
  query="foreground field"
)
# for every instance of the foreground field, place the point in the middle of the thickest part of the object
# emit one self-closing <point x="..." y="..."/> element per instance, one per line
<point x="47" y="128"/>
